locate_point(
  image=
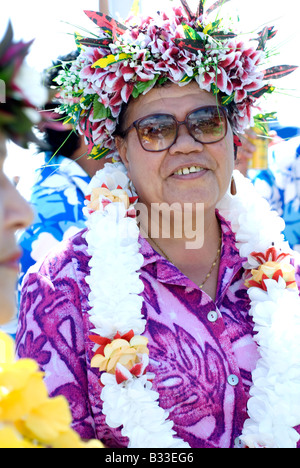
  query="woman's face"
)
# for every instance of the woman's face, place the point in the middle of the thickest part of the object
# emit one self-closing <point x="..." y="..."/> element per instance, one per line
<point x="153" y="174"/>
<point x="15" y="214"/>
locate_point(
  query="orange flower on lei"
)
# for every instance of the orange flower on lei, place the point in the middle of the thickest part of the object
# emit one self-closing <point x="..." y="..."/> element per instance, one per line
<point x="271" y="268"/>
<point x="102" y="195"/>
<point x="123" y="353"/>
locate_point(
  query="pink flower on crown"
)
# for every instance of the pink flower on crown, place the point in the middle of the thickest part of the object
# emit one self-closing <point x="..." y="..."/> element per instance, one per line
<point x="241" y="66"/>
<point x="151" y="50"/>
<point x="98" y="131"/>
<point x="175" y="63"/>
<point x="244" y="117"/>
<point x="92" y="54"/>
<point x="216" y="75"/>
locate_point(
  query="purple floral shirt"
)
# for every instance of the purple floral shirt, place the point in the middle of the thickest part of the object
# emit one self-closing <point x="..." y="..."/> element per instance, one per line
<point x="201" y="351"/>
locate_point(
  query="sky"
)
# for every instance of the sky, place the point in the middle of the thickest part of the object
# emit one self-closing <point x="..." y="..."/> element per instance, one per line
<point x="52" y="24"/>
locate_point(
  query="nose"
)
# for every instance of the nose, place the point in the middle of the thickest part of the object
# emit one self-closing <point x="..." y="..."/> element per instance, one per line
<point x="185" y="142"/>
<point x="17" y="212"/>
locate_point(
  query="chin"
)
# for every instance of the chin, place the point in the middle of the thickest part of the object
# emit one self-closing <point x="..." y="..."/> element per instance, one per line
<point x="8" y="310"/>
<point x="7" y="297"/>
<point x="207" y="198"/>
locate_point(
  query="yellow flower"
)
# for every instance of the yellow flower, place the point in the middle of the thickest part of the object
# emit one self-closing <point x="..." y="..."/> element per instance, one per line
<point x="28" y="417"/>
<point x="72" y="440"/>
<point x="7" y="349"/>
<point x="273" y="270"/>
<point x="121" y="351"/>
<point x="47" y="421"/>
<point x="20" y="401"/>
<point x="10" y="438"/>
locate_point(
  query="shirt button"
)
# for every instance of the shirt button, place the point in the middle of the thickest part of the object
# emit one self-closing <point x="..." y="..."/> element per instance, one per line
<point x="233" y="380"/>
<point x="238" y="443"/>
<point x="212" y="316"/>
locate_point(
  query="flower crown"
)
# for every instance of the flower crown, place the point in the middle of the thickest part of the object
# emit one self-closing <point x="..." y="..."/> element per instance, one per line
<point x="130" y="59"/>
<point x="21" y="91"/>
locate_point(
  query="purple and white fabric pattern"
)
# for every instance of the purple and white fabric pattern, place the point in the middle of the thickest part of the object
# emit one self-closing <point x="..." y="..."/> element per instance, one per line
<point x="202" y="352"/>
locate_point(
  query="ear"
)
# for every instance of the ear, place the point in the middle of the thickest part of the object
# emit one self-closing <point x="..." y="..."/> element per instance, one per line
<point x="121" y="146"/>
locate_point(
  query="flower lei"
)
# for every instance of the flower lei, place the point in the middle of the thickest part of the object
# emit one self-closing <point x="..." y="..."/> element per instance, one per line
<point x="28" y="417"/>
<point x="121" y="352"/>
<point x="126" y="60"/>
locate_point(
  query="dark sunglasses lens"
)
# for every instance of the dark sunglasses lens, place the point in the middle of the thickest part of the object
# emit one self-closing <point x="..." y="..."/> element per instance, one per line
<point x="157" y="132"/>
<point x="208" y="124"/>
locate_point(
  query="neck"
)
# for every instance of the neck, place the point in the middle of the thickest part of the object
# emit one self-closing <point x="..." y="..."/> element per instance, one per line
<point x="192" y="256"/>
<point x="199" y="259"/>
<point x="182" y="230"/>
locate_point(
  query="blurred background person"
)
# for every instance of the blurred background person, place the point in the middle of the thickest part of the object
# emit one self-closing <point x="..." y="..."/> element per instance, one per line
<point x="55" y="186"/>
<point x="22" y="94"/>
<point x="280" y="185"/>
<point x="276" y="173"/>
<point x="16" y="110"/>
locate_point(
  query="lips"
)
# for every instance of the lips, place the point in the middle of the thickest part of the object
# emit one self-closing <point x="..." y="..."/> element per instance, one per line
<point x="12" y="261"/>
<point x="189" y="170"/>
<point x="192" y="167"/>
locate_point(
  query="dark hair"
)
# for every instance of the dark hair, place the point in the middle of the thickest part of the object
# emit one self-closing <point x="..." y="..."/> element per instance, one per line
<point x="65" y="142"/>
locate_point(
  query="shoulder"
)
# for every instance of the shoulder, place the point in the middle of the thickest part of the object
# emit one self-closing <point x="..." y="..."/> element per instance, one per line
<point x="68" y="257"/>
<point x="54" y="291"/>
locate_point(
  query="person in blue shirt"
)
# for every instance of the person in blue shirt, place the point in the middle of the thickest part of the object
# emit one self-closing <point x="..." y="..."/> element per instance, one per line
<point x="54" y="186"/>
<point x="280" y="185"/>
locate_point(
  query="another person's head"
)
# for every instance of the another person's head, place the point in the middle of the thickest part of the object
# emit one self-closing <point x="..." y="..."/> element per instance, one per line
<point x="59" y="136"/>
<point x="18" y="114"/>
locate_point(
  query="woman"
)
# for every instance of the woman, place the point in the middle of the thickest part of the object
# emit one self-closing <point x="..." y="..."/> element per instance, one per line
<point x="165" y="325"/>
<point x="28" y="417"/>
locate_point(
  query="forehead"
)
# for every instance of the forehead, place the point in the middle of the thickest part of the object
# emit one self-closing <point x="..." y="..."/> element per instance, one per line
<point x="171" y="99"/>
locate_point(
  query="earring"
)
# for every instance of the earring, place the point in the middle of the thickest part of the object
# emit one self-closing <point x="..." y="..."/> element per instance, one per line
<point x="233" y="189"/>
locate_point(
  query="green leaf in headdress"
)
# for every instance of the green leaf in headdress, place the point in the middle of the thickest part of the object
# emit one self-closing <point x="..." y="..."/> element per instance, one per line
<point x="100" y="111"/>
<point x="98" y="153"/>
<point x="226" y="100"/>
<point x="141" y="86"/>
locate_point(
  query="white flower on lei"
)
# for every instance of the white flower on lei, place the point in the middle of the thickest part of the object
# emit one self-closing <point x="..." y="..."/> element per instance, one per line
<point x="137" y="410"/>
<point x="274" y="405"/>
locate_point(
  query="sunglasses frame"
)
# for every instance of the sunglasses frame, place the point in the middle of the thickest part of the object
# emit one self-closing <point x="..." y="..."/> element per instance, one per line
<point x="221" y="110"/>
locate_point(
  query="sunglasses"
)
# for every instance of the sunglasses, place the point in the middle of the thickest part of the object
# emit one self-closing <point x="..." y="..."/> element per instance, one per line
<point x="158" y="132"/>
